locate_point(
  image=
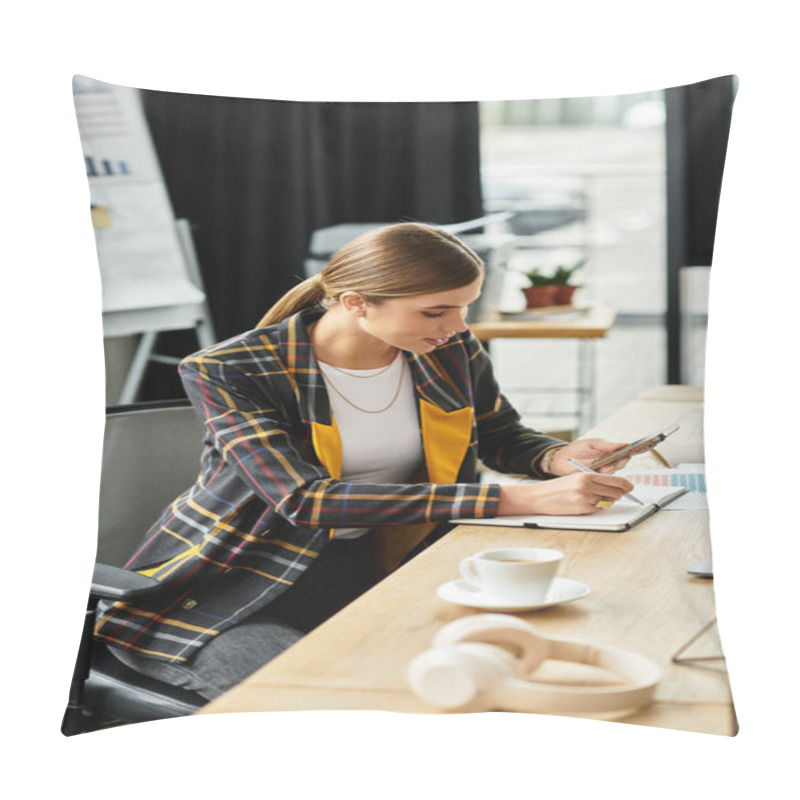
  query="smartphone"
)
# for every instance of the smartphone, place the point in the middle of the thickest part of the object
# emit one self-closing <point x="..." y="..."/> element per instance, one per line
<point x="645" y="443"/>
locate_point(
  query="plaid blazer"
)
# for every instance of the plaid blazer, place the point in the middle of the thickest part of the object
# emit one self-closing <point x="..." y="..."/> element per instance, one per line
<point x="269" y="492"/>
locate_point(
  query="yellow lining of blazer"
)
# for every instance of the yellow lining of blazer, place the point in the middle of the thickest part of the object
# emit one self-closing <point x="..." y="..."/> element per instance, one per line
<point x="445" y="438"/>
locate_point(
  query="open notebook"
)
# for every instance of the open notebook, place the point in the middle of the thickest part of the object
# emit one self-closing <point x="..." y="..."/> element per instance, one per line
<point x="622" y="516"/>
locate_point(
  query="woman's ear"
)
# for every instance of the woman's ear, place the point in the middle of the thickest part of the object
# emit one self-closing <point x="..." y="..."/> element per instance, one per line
<point x="354" y="303"/>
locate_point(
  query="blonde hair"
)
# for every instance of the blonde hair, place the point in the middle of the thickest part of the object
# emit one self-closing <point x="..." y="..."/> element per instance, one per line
<point x="401" y="260"/>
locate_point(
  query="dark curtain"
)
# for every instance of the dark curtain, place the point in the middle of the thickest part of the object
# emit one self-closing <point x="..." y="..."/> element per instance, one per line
<point x="256" y="177"/>
<point x="697" y="127"/>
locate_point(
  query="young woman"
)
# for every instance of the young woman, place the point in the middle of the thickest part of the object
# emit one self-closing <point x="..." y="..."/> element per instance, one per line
<point x="353" y="416"/>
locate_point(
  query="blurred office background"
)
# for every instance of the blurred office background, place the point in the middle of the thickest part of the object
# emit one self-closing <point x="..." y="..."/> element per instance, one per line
<point x="628" y="183"/>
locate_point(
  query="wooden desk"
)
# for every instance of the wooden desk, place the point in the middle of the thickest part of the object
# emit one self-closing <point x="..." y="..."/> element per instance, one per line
<point x="642" y="599"/>
<point x="593" y="324"/>
<point x="585" y="328"/>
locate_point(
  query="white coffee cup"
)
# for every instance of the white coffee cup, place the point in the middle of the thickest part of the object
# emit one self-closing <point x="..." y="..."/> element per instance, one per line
<point x="513" y="574"/>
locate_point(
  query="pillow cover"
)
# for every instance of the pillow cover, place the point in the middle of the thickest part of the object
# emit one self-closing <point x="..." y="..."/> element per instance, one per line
<point x="207" y="209"/>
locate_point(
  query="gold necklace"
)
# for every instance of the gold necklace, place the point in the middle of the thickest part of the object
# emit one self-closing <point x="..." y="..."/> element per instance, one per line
<point x="366" y="410"/>
<point x="363" y="377"/>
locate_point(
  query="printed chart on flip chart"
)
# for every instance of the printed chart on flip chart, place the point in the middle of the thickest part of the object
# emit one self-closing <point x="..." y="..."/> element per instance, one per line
<point x="140" y="257"/>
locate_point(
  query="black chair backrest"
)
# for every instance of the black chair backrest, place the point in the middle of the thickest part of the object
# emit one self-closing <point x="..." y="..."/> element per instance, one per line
<point x="151" y="453"/>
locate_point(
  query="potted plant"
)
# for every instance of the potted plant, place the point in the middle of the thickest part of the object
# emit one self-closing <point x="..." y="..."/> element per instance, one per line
<point x="542" y="291"/>
<point x="561" y="280"/>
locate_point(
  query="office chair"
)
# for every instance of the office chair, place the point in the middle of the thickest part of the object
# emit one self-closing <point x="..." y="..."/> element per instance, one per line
<point x="151" y="453"/>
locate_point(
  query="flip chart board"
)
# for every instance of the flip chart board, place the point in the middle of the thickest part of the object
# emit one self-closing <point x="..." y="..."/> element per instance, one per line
<point x="142" y="265"/>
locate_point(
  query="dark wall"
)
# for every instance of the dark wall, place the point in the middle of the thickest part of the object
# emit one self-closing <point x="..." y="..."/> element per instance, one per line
<point x="256" y="177"/>
<point x="698" y="124"/>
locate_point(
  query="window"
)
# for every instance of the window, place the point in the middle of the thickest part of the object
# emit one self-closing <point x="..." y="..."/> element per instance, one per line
<point x="586" y="179"/>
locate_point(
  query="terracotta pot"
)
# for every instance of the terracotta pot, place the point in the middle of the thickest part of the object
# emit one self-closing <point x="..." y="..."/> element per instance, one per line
<point x="564" y="295"/>
<point x="540" y="296"/>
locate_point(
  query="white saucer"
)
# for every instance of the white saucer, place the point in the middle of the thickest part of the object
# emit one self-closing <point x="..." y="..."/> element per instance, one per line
<point x="463" y="593"/>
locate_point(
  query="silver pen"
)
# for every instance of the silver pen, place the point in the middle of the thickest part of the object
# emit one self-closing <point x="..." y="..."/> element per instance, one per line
<point x="584" y="468"/>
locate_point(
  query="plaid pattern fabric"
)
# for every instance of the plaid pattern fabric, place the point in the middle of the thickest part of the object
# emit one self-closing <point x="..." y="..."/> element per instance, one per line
<point x="269" y="491"/>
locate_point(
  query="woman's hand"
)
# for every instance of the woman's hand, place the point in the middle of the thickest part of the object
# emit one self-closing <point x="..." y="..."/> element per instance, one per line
<point x="574" y="494"/>
<point x="586" y="451"/>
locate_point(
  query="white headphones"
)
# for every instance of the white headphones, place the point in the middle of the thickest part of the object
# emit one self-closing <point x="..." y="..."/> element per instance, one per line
<point x="480" y="663"/>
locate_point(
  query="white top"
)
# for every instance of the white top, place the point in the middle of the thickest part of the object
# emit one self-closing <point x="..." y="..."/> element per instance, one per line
<point x="384" y="447"/>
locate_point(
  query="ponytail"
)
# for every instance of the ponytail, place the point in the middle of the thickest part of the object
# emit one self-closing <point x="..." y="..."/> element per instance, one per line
<point x="308" y="293"/>
<point x="400" y="260"/>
